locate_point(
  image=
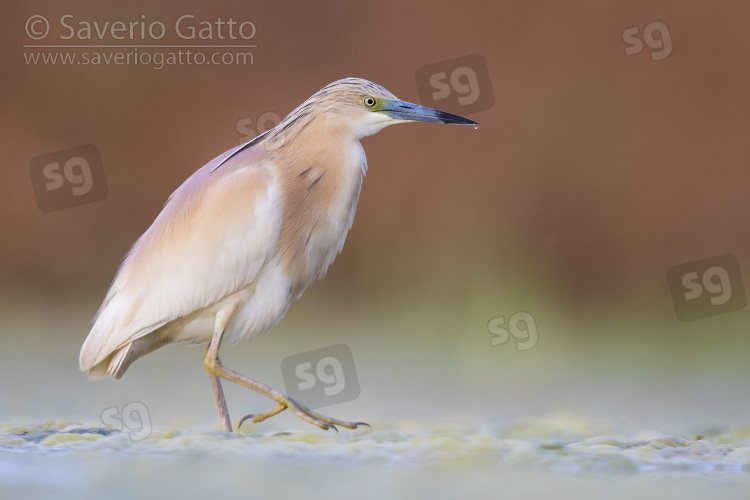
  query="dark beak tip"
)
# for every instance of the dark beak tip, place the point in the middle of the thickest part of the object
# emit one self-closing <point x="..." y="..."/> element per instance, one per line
<point x="462" y="121"/>
<point x="454" y="119"/>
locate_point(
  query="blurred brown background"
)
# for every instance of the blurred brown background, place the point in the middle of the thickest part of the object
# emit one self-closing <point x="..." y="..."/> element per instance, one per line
<point x="592" y="174"/>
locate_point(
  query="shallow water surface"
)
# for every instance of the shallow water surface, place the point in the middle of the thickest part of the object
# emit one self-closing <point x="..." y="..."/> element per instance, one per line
<point x="605" y="416"/>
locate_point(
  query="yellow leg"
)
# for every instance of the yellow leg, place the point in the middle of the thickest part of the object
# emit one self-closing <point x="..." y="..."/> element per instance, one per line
<point x="217" y="371"/>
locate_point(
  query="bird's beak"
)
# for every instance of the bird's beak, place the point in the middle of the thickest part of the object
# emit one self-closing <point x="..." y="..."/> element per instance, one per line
<point x="402" y="110"/>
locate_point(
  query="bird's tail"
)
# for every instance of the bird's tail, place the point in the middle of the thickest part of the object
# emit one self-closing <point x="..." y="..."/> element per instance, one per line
<point x="105" y="351"/>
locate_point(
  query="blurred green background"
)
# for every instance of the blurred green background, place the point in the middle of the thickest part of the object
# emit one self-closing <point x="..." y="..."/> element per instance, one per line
<point x="592" y="174"/>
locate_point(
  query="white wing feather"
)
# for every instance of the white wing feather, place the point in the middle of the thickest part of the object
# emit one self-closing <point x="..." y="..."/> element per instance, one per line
<point x="211" y="239"/>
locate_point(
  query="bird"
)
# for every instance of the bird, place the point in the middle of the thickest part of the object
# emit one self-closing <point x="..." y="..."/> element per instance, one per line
<point x="243" y="237"/>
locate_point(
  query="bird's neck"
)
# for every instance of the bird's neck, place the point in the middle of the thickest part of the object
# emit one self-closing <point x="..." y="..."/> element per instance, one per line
<point x="321" y="173"/>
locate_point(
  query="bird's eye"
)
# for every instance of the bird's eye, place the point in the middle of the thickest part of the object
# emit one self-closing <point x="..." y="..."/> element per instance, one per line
<point x="369" y="101"/>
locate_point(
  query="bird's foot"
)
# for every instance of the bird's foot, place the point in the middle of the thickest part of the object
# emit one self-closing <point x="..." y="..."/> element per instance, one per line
<point x="304" y="413"/>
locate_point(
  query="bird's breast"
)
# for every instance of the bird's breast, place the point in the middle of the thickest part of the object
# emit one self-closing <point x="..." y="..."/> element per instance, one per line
<point x="320" y="198"/>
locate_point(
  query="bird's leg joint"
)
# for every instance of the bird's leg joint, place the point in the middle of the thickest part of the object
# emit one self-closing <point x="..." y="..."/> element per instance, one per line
<point x="211" y="362"/>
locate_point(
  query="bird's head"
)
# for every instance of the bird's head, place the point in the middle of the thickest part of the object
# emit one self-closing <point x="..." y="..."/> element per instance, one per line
<point x="366" y="107"/>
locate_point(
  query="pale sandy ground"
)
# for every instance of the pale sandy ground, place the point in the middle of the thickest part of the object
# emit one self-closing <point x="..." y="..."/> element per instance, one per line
<point x="407" y="460"/>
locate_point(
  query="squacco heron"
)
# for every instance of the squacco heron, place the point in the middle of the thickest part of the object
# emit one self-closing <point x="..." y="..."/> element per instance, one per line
<point x="244" y="236"/>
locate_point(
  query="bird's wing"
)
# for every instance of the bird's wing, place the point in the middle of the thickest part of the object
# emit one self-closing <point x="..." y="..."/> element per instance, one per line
<point x="211" y="239"/>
